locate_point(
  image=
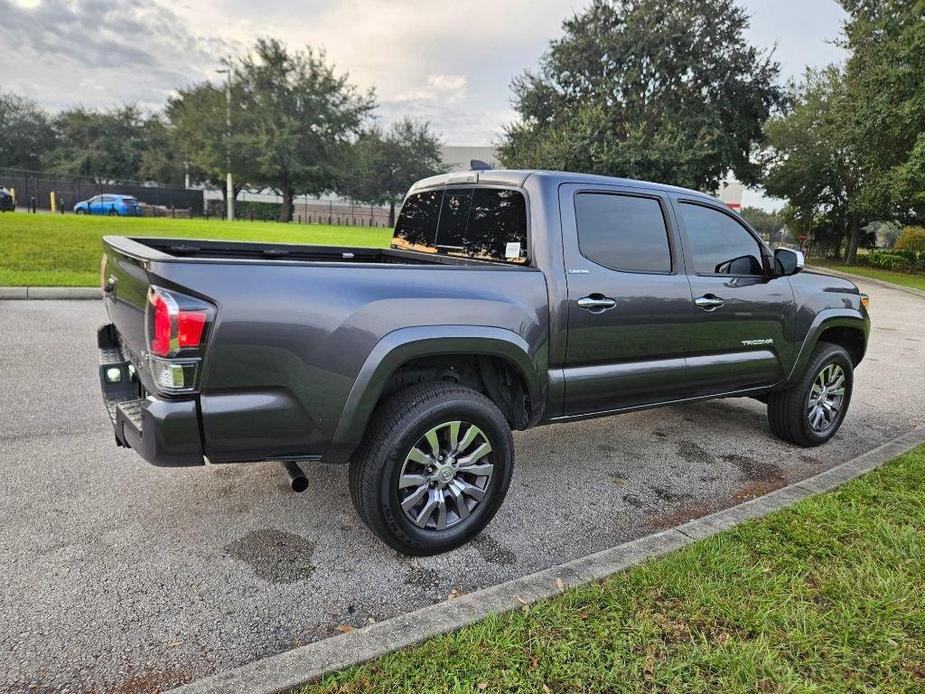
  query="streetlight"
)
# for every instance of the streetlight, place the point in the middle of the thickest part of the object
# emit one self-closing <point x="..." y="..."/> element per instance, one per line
<point x="229" y="186"/>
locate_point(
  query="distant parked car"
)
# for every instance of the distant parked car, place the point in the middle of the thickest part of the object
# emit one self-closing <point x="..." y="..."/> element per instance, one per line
<point x="7" y="202"/>
<point x="110" y="204"/>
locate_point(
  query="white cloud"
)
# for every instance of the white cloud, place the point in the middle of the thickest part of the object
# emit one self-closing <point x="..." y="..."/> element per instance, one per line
<point x="445" y="88"/>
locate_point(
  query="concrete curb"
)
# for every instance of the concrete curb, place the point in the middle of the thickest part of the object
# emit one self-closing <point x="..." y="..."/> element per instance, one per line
<point x="861" y="278"/>
<point x="44" y="293"/>
<point x="310" y="662"/>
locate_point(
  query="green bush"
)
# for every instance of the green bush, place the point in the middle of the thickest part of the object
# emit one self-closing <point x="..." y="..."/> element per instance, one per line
<point x="901" y="261"/>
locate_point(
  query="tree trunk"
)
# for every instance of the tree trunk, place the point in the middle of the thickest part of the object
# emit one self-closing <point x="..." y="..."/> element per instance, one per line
<point x="391" y="214"/>
<point x="285" y="214"/>
<point x="854" y="230"/>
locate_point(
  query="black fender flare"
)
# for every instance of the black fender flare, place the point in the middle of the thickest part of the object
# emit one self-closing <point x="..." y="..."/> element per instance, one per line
<point x="405" y="344"/>
<point x="825" y="319"/>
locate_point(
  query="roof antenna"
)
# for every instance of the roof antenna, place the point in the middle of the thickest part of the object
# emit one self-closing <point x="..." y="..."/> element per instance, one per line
<point x="478" y="165"/>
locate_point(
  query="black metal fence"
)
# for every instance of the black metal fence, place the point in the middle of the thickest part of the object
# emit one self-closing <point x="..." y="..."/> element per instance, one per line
<point x="34" y="187"/>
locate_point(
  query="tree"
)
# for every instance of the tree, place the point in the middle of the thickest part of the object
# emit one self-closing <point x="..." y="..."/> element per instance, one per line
<point x="766" y="223"/>
<point x="27" y="134"/>
<point x="302" y="118"/>
<point x="886" y="76"/>
<point x="108" y="145"/>
<point x="666" y="91"/>
<point x="384" y="165"/>
<point x="160" y="159"/>
<point x="812" y="161"/>
<point x="852" y="152"/>
<point x="201" y="139"/>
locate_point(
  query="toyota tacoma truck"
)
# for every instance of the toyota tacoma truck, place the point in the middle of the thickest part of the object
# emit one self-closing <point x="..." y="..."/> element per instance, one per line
<point x="507" y="300"/>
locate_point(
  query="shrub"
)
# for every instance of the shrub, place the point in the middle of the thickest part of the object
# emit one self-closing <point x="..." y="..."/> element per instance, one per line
<point x="911" y="239"/>
<point x="900" y="261"/>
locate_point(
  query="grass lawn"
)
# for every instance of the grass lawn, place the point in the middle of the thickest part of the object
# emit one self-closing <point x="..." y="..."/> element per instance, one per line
<point x="65" y="250"/>
<point x="828" y="595"/>
<point x="916" y="281"/>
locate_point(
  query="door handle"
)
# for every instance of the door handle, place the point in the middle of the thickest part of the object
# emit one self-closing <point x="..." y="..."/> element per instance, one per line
<point x="596" y="303"/>
<point x="709" y="302"/>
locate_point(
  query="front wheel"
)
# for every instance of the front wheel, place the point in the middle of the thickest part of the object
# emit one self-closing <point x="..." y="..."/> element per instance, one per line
<point x="809" y="413"/>
<point x="433" y="469"/>
<point x="80" y="210"/>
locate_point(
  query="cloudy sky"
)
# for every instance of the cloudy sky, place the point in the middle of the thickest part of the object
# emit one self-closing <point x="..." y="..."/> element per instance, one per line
<point x="445" y="61"/>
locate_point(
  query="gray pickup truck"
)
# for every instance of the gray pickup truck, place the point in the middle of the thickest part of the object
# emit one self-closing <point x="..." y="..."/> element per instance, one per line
<point x="508" y="299"/>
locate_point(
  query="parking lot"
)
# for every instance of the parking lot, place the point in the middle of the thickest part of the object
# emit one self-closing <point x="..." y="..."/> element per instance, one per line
<point x="117" y="575"/>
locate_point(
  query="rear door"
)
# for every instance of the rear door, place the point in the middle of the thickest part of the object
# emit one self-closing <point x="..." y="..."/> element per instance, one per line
<point x="740" y="338"/>
<point x="629" y="302"/>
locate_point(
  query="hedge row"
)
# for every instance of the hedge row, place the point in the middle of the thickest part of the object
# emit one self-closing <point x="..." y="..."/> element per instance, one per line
<point x="901" y="261"/>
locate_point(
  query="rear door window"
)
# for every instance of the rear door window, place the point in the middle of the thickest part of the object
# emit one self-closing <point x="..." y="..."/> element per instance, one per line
<point x="480" y="223"/>
<point x="623" y="232"/>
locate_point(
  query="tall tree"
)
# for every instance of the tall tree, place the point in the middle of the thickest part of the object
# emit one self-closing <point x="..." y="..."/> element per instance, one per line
<point x="886" y="75"/>
<point x="304" y="116"/>
<point x="201" y="138"/>
<point x="812" y="160"/>
<point x="27" y="135"/>
<point x="666" y="91"/>
<point x="384" y="165"/>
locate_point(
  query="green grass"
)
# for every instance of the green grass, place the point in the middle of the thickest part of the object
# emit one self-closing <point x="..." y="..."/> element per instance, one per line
<point x="56" y="250"/>
<point x="828" y="595"/>
<point x="905" y="279"/>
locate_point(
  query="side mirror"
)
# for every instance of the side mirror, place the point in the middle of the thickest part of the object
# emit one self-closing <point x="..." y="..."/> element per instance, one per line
<point x="787" y="261"/>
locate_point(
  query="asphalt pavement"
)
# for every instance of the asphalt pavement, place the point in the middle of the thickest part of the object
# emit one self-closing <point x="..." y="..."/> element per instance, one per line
<point x="119" y="576"/>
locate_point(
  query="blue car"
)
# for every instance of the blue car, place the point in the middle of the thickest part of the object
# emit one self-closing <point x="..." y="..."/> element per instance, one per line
<point x="110" y="204"/>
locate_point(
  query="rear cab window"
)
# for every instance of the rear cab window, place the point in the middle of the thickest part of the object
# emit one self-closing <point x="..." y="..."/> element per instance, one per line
<point x="478" y="223"/>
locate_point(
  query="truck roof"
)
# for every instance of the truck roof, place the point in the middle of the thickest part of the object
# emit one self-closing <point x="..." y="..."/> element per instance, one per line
<point x="515" y="177"/>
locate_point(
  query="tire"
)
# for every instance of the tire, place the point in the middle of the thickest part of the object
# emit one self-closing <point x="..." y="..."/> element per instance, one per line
<point x="392" y="449"/>
<point x="80" y="211"/>
<point x="112" y="212"/>
<point x="791" y="413"/>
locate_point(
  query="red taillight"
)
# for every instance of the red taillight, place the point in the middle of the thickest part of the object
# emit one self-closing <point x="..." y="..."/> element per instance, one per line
<point x="160" y="325"/>
<point x="190" y="325"/>
<point x="175" y="322"/>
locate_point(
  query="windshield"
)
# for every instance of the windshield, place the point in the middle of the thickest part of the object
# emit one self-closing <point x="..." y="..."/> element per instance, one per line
<point x="480" y="223"/>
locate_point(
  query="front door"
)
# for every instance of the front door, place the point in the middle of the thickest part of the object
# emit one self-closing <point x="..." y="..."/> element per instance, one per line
<point x="741" y="336"/>
<point x="629" y="302"/>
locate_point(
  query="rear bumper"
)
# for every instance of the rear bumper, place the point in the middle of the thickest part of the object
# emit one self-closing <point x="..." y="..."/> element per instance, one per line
<point x="165" y="432"/>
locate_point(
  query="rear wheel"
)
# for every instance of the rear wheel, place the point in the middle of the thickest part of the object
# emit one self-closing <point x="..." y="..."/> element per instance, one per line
<point x="811" y="412"/>
<point x="433" y="469"/>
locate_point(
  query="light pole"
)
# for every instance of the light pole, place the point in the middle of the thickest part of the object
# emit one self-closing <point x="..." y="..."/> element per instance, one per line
<point x="229" y="185"/>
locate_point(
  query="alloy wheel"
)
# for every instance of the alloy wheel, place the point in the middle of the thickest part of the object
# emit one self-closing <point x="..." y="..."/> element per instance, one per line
<point x="445" y="475"/>
<point x="826" y="398"/>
